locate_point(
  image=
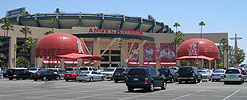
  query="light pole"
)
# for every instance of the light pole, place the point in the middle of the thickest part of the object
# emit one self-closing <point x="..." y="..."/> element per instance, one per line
<point x="120" y="46"/>
<point x="14" y="55"/>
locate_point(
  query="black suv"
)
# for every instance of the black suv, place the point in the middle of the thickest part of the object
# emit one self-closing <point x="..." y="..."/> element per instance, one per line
<point x="120" y="74"/>
<point x="18" y="74"/>
<point x="189" y="73"/>
<point x="45" y="74"/>
<point x="169" y="74"/>
<point x="145" y="77"/>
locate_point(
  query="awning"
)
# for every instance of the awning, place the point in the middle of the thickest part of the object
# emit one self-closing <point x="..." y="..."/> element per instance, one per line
<point x="149" y="63"/>
<point x="77" y="56"/>
<point x="71" y="62"/>
<point x="194" y="57"/>
<point x="168" y="63"/>
<point x="133" y="63"/>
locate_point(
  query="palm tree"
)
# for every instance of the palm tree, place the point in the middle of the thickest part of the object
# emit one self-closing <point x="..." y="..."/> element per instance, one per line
<point x="176" y="25"/>
<point x="26" y="30"/>
<point x="201" y="24"/>
<point x="2" y="56"/>
<point x="30" y="42"/>
<point x="26" y="13"/>
<point x="48" y="32"/>
<point x="53" y="21"/>
<point x="178" y="40"/>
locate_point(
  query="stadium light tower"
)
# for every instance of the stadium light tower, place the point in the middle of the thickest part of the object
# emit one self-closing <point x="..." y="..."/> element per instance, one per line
<point x="236" y="47"/>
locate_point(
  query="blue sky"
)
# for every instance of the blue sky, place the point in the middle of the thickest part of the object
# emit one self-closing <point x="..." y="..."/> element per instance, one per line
<point x="219" y="15"/>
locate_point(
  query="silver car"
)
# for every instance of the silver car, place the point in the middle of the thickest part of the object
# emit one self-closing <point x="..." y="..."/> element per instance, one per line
<point x="218" y="75"/>
<point x="89" y="76"/>
<point x="233" y="75"/>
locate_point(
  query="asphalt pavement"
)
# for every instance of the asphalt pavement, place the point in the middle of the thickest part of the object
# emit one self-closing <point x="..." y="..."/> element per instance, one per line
<point x="108" y="90"/>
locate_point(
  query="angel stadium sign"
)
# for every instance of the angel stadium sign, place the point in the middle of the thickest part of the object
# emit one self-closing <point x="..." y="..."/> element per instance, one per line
<point x="119" y="31"/>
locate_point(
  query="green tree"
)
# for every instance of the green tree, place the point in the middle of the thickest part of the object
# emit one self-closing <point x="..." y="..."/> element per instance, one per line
<point x="30" y="42"/>
<point x="235" y="58"/>
<point x="22" y="61"/>
<point x="7" y="26"/>
<point x="26" y="30"/>
<point x="2" y="56"/>
<point x="223" y="45"/>
<point x="178" y="40"/>
<point x="53" y="21"/>
<point x="26" y="13"/>
<point x="48" y="32"/>
<point x="201" y="24"/>
<point x="176" y="25"/>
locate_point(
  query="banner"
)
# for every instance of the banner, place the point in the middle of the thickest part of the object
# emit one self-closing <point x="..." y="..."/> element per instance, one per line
<point x="89" y="46"/>
<point x="135" y="57"/>
<point x="167" y="52"/>
<point x="149" y="52"/>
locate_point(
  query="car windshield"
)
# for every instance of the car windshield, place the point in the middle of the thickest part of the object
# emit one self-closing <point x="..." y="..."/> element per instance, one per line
<point x="33" y="69"/>
<point x="185" y="70"/>
<point x="72" y="72"/>
<point x="137" y="72"/>
<point x="109" y="70"/>
<point x="218" y="71"/>
<point x="163" y="71"/>
<point x="69" y="69"/>
<point x="83" y="68"/>
<point x="202" y="72"/>
<point x="232" y="71"/>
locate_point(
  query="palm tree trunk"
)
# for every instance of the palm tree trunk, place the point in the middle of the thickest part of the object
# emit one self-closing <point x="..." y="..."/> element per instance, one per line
<point x="201" y="32"/>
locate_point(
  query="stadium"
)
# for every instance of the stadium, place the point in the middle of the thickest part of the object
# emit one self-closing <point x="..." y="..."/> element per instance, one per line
<point x="121" y="40"/>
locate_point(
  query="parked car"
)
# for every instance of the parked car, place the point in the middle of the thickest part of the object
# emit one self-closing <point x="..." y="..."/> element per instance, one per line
<point x="206" y="75"/>
<point x="44" y="74"/>
<point x="189" y="73"/>
<point x="120" y="74"/>
<point x="1" y="73"/>
<point x="71" y="75"/>
<point x="89" y="76"/>
<point x="33" y="70"/>
<point x="71" y="69"/>
<point x="87" y="69"/>
<point x="18" y="73"/>
<point x="218" y="74"/>
<point x="233" y="75"/>
<point x="60" y="72"/>
<point x="169" y="74"/>
<point x="244" y="71"/>
<point x="145" y="77"/>
<point x="108" y="73"/>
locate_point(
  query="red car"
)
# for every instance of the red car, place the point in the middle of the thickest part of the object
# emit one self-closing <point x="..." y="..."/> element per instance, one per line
<point x="71" y="75"/>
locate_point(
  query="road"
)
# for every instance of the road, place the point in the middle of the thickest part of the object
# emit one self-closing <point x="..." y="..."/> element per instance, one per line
<point x="108" y="90"/>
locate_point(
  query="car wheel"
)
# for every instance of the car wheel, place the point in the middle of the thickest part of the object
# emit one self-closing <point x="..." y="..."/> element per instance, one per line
<point x="164" y="85"/>
<point x="44" y="79"/>
<point x="35" y="79"/>
<point x="102" y="78"/>
<point x="116" y="81"/>
<point x="91" y="79"/>
<point x="130" y="89"/>
<point x="151" y="87"/>
<point x="58" y="77"/>
<point x="80" y="80"/>
<point x="10" y="78"/>
<point x="180" y="81"/>
<point x="67" y="80"/>
<point x="225" y="82"/>
<point x="23" y="78"/>
<point x="194" y="80"/>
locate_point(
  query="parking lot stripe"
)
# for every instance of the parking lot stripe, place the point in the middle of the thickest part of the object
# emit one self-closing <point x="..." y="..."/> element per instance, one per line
<point x="231" y="95"/>
<point x="68" y="93"/>
<point x="188" y="94"/>
<point x="143" y="95"/>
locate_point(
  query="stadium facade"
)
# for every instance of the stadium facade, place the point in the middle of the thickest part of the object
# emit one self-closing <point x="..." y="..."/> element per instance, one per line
<point x="135" y="40"/>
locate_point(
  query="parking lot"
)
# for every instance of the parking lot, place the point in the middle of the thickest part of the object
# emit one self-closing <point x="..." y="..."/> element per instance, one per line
<point x="108" y="90"/>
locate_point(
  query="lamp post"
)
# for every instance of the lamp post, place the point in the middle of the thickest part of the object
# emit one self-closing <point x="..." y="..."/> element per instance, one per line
<point x="197" y="53"/>
<point x="120" y="46"/>
<point x="14" y="55"/>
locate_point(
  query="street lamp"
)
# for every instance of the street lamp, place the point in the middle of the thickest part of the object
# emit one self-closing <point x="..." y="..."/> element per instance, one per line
<point x="120" y="46"/>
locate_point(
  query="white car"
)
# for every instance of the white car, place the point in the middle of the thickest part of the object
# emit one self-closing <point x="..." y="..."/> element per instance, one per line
<point x="34" y="70"/>
<point x="218" y="75"/>
<point x="85" y="68"/>
<point x="108" y="73"/>
<point x="233" y="75"/>
<point x="89" y="76"/>
<point x="205" y="74"/>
